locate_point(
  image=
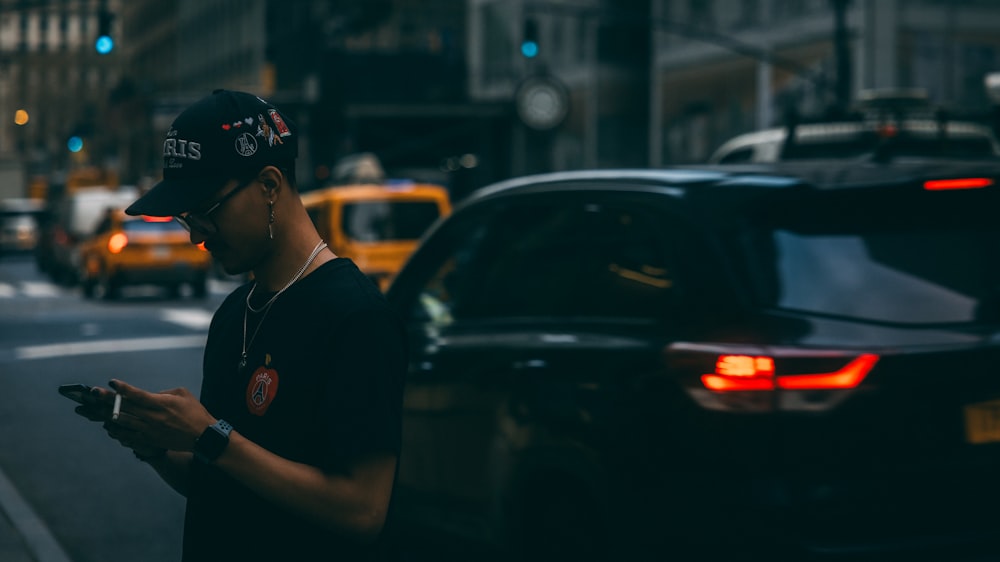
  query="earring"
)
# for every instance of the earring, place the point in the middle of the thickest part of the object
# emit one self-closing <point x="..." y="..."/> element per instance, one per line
<point x="270" y="219"/>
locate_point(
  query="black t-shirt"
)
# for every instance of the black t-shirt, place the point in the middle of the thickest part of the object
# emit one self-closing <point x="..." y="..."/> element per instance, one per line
<point x="323" y="386"/>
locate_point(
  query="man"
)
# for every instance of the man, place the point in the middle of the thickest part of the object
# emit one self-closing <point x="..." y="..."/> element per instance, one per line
<point x="291" y="452"/>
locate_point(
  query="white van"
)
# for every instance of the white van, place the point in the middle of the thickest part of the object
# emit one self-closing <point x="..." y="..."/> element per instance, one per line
<point x="921" y="138"/>
<point x="75" y="218"/>
<point x="885" y="124"/>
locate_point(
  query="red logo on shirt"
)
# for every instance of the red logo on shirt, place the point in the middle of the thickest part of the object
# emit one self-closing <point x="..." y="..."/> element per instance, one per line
<point x="262" y="389"/>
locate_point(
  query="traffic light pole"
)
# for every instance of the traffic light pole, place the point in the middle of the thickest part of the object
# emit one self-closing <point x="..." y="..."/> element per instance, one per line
<point x="842" y="52"/>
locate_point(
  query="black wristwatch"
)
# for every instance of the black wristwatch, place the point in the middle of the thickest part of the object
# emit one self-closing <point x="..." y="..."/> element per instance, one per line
<point x="212" y="442"/>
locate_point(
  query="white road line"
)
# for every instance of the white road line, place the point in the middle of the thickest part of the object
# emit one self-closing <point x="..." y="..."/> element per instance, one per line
<point x="36" y="535"/>
<point x="7" y="291"/>
<point x="222" y="287"/>
<point x="108" y="346"/>
<point x="36" y="289"/>
<point x="194" y="318"/>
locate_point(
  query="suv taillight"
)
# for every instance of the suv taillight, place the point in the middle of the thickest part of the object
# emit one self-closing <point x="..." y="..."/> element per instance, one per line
<point x="752" y="379"/>
<point x="957" y="183"/>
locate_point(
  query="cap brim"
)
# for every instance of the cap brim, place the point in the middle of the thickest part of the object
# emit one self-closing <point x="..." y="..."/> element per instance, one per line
<point x="173" y="197"/>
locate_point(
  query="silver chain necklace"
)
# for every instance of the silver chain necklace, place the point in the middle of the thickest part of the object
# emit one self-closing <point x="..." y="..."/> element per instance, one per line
<point x="267" y="306"/>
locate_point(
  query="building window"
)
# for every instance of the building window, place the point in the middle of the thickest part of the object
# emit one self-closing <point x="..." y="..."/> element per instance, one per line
<point x="43" y="31"/>
<point x="702" y="13"/>
<point x="63" y="30"/>
<point x="750" y="16"/>
<point x="498" y="46"/>
<point x="22" y="40"/>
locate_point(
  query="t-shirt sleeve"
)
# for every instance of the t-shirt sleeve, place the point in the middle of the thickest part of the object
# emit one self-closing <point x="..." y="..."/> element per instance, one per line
<point x="365" y="389"/>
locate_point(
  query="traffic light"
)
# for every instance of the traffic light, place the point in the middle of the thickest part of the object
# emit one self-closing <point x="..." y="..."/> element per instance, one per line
<point x="529" y="39"/>
<point x="105" y="40"/>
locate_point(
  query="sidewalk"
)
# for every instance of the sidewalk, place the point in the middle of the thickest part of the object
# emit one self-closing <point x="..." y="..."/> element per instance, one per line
<point x="12" y="547"/>
<point x="23" y="535"/>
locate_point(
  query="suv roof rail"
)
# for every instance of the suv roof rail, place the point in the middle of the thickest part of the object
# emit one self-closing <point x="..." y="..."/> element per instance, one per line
<point x="894" y="98"/>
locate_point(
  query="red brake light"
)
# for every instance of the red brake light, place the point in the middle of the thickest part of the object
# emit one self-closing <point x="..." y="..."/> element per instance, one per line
<point x="888" y="130"/>
<point x="117" y="242"/>
<point x="958" y="183"/>
<point x="755" y="379"/>
<point x="746" y="373"/>
<point x="741" y="372"/>
<point x="849" y="376"/>
<point x="201" y="246"/>
<point x="156" y="219"/>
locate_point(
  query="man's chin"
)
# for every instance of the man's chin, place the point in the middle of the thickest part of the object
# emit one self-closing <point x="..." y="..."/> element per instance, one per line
<point x="228" y="265"/>
<point x="234" y="269"/>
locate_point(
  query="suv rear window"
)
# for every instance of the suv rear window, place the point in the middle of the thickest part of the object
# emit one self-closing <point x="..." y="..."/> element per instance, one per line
<point x="923" y="258"/>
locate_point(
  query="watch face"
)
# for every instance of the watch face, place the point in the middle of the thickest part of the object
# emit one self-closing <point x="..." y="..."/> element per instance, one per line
<point x="210" y="445"/>
<point x="542" y="103"/>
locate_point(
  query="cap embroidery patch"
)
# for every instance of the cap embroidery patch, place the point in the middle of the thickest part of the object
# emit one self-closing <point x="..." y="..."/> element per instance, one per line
<point x="279" y="123"/>
<point x="265" y="130"/>
<point x="246" y="145"/>
<point x="262" y="389"/>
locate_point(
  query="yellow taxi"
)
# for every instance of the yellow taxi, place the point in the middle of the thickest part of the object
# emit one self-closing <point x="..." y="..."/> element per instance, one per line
<point x="127" y="250"/>
<point x="376" y="225"/>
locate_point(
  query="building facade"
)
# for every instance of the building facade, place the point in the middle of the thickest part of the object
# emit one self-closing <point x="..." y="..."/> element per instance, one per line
<point x="51" y="72"/>
<point x="467" y="92"/>
<point x="595" y="51"/>
<point x="724" y="67"/>
<point x="382" y="76"/>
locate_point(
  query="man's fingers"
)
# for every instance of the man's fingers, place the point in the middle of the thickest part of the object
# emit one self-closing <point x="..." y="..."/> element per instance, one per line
<point x="90" y="413"/>
<point x="182" y="392"/>
<point x="135" y="396"/>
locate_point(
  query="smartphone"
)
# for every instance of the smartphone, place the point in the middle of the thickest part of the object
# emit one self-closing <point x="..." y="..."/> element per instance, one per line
<point x="76" y="392"/>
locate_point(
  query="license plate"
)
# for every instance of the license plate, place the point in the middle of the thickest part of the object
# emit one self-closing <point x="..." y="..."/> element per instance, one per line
<point x="982" y="422"/>
<point x="161" y="252"/>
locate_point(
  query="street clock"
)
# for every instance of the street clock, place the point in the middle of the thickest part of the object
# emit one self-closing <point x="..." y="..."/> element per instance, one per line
<point x="542" y="102"/>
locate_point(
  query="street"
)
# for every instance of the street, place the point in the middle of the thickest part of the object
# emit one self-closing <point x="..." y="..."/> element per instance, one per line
<point x="95" y="500"/>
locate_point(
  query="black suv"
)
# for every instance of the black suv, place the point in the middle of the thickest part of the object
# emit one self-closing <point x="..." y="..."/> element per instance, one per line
<point x="801" y="359"/>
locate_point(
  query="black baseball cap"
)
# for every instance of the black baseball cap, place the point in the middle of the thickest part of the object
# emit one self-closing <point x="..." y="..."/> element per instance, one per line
<point x="224" y="136"/>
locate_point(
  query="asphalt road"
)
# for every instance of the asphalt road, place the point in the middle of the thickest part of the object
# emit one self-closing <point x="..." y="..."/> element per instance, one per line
<point x="96" y="501"/>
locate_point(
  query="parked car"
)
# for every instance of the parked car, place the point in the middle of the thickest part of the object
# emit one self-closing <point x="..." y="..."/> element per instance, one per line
<point x="376" y="225"/>
<point x="72" y="219"/>
<point x="883" y="126"/>
<point x="19" y="224"/>
<point x="126" y="250"/>
<point x="757" y="362"/>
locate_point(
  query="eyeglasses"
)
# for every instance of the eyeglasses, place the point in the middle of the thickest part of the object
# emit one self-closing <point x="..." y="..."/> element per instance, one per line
<point x="202" y="222"/>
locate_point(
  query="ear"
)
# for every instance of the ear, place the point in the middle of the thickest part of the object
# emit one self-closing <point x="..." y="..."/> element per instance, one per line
<point x="270" y="177"/>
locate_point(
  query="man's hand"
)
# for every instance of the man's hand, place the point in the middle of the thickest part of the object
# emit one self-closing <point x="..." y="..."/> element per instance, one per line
<point x="97" y="406"/>
<point x="171" y="419"/>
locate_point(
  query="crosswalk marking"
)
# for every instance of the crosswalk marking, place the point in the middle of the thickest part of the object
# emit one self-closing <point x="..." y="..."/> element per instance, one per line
<point x="30" y="289"/>
<point x="194" y="318"/>
<point x="39" y="289"/>
<point x="48" y="290"/>
<point x="108" y="346"/>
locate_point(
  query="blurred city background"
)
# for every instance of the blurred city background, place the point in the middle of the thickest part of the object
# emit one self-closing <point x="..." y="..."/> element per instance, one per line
<point x="466" y="92"/>
<point x="406" y="107"/>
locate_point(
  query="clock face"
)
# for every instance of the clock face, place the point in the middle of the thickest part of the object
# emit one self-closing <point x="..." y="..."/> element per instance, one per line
<point x="542" y="103"/>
